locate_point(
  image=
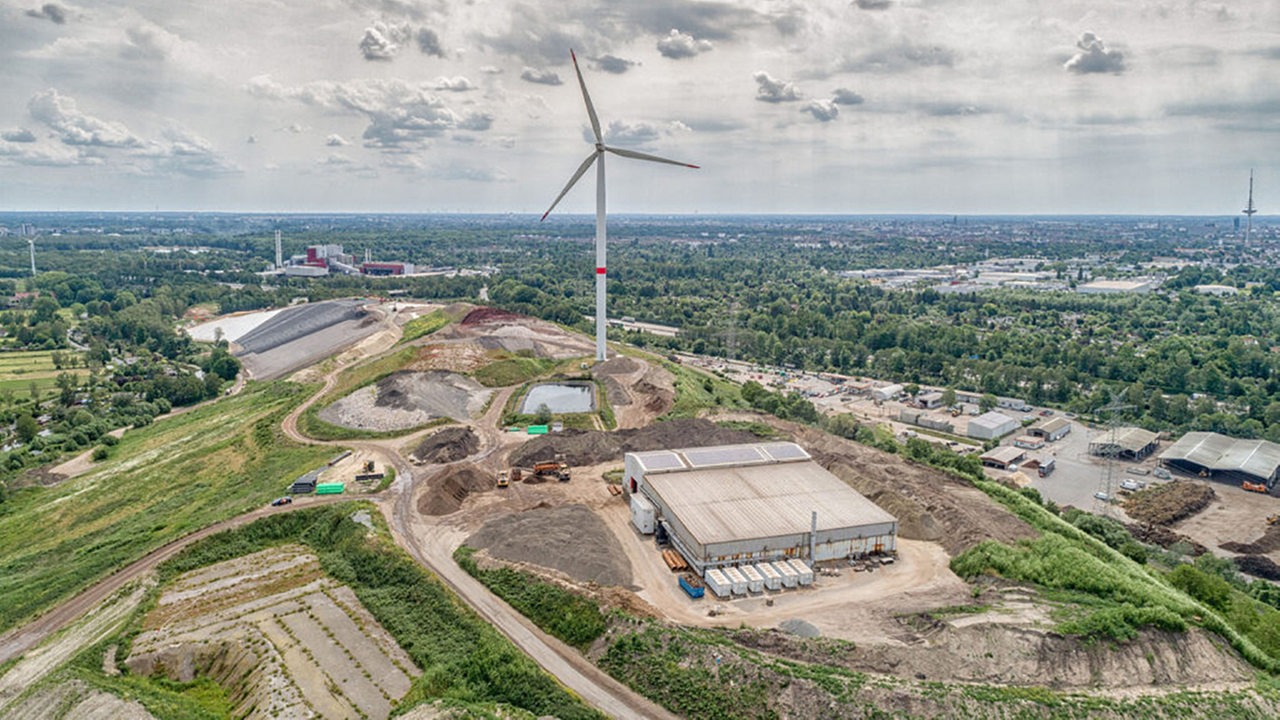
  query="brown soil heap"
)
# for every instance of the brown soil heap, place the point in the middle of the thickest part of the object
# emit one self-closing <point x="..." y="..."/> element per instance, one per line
<point x="489" y="315"/>
<point x="592" y="448"/>
<point x="448" y="445"/>
<point x="453" y="490"/>
<point x="1168" y="503"/>
<point x="570" y="538"/>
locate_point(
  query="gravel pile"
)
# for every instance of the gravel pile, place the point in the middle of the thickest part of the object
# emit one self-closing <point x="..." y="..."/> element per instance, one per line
<point x="405" y="400"/>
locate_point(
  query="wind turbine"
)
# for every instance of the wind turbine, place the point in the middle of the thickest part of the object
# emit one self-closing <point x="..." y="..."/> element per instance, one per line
<point x="597" y="156"/>
<point x="31" y="245"/>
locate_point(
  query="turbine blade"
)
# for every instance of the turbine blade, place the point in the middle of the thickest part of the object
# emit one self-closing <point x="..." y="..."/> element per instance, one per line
<point x="591" y="110"/>
<point x="643" y="156"/>
<point x="581" y="169"/>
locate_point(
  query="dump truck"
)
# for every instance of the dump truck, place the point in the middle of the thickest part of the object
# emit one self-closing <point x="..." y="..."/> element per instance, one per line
<point x="557" y="470"/>
<point x="502" y="480"/>
<point x="1254" y="487"/>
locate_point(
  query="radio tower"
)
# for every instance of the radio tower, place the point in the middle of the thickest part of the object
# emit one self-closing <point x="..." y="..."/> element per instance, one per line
<point x="1249" y="210"/>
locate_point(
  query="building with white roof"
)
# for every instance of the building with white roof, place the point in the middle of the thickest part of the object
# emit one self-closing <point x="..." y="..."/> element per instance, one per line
<point x="736" y="504"/>
<point x="991" y="425"/>
<point x="1219" y="457"/>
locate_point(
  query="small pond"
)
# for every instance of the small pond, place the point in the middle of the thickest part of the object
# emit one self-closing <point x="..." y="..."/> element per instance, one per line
<point x="560" y="398"/>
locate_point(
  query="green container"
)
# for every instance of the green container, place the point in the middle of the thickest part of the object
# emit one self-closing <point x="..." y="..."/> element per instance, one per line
<point x="537" y="430"/>
<point x="330" y="488"/>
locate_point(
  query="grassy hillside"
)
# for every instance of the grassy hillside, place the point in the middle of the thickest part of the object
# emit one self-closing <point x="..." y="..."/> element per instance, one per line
<point x="162" y="482"/>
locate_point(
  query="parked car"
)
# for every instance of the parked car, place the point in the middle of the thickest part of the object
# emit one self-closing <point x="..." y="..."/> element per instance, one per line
<point x="1162" y="474"/>
<point x="281" y="501"/>
<point x="1102" y="496"/>
<point x="1046" y="413"/>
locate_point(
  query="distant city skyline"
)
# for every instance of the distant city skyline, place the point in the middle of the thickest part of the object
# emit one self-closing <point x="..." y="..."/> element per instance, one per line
<point x="863" y="107"/>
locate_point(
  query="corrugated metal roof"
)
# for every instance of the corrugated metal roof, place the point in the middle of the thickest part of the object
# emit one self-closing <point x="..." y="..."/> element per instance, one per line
<point x="1219" y="452"/>
<point x="1004" y="454"/>
<point x="1131" y="438"/>
<point x="659" y="460"/>
<point x="1052" y="425"/>
<point x="719" y="505"/>
<point x="993" y="421"/>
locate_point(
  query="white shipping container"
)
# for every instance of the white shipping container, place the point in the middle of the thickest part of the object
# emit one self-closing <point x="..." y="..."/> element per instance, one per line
<point x="738" y="580"/>
<point x="755" y="581"/>
<point x="787" y="573"/>
<point x="803" y="573"/>
<point x="772" y="580"/>
<point x="718" y="583"/>
<point x="642" y="514"/>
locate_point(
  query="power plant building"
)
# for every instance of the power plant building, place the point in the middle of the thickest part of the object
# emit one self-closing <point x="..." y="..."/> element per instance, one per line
<point x="738" y="504"/>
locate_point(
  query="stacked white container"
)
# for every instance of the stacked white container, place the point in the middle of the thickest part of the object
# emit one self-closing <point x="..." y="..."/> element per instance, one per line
<point x="772" y="580"/>
<point x="737" y="580"/>
<point x="803" y="572"/>
<point x="719" y="584"/>
<point x="789" y="577"/>
<point x="755" y="581"/>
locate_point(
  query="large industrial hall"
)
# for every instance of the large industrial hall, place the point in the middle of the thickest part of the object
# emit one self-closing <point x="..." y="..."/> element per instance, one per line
<point x="737" y="504"/>
<point x="1226" y="459"/>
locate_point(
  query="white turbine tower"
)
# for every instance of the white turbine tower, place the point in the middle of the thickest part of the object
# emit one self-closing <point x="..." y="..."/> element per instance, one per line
<point x="597" y="156"/>
<point x="31" y="245"/>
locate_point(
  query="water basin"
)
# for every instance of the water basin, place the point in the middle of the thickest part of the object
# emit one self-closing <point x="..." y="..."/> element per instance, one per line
<point x="560" y="398"/>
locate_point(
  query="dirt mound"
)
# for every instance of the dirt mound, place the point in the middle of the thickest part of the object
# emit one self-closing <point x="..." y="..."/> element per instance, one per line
<point x="1258" y="566"/>
<point x="447" y="495"/>
<point x="407" y="399"/>
<point x="1168" y="503"/>
<point x="620" y="365"/>
<point x="657" y="390"/>
<point x="571" y="539"/>
<point x="929" y="504"/>
<point x="446" y="446"/>
<point x="592" y="448"/>
<point x="489" y="315"/>
<point x="1269" y="542"/>
<point x="1164" y="537"/>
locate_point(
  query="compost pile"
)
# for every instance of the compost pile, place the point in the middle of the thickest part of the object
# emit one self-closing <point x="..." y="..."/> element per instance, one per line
<point x="580" y="448"/>
<point x="1168" y="503"/>
<point x="449" y="445"/>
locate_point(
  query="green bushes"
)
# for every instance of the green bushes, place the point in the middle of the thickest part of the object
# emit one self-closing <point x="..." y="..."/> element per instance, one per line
<point x="569" y="617"/>
<point x="425" y="325"/>
<point x="512" y="371"/>
<point x="1208" y="589"/>
<point x="462" y="657"/>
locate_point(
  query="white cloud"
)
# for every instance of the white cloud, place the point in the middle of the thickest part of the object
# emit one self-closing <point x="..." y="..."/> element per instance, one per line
<point x="541" y="77"/>
<point x="677" y="45"/>
<point x="382" y="41"/>
<point x="148" y="42"/>
<point x="454" y="84"/>
<point x="822" y="110"/>
<point x="613" y="64"/>
<point x="401" y="115"/>
<point x="336" y="140"/>
<point x="20" y="135"/>
<point x="771" y="90"/>
<point x="429" y="42"/>
<point x="184" y="152"/>
<point x="77" y="128"/>
<point x="1094" y="57"/>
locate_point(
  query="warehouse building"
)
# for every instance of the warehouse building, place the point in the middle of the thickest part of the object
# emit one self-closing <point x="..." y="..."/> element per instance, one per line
<point x="1002" y="457"/>
<point x="1223" y="458"/>
<point x="992" y="425"/>
<point x="888" y="392"/>
<point x="1051" y="429"/>
<point x="737" y="504"/>
<point x="1130" y="443"/>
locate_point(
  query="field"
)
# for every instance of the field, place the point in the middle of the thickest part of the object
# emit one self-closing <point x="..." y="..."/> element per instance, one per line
<point x="19" y="369"/>
<point x="163" y="481"/>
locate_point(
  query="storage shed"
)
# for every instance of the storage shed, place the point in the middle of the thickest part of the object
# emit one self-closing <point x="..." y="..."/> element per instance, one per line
<point x="1224" y="458"/>
<point x="991" y="425"/>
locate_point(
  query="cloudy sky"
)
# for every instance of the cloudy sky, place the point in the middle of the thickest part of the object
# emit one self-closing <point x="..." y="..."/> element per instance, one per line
<point x="789" y="105"/>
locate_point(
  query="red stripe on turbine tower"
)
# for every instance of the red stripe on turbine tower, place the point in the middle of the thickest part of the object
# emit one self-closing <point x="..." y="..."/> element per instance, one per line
<point x="599" y="271"/>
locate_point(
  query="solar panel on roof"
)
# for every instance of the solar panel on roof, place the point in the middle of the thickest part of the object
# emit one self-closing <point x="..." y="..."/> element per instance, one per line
<point x="786" y="451"/>
<point x="661" y="461"/>
<point x="723" y="456"/>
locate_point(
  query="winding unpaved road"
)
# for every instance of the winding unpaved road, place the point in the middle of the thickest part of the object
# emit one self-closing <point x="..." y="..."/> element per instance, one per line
<point x="432" y="544"/>
<point x="429" y="542"/>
